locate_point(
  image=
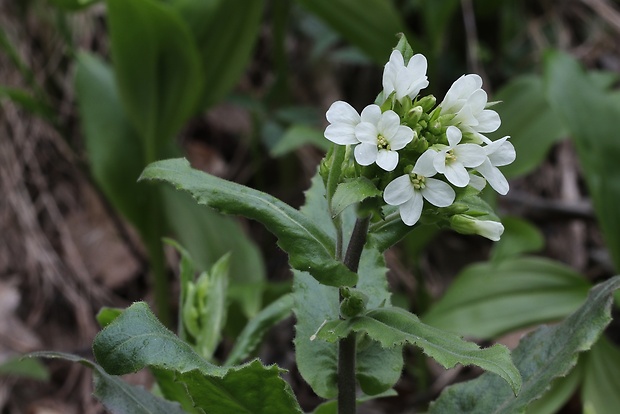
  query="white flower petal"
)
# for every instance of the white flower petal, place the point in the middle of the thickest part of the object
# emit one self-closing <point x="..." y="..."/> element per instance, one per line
<point x="424" y="165"/>
<point x="372" y="114"/>
<point x="454" y="136"/>
<point x="398" y="191"/>
<point x="488" y="121"/>
<point x="390" y="71"/>
<point x="505" y="154"/>
<point x="366" y="132"/>
<point x="403" y="136"/>
<point x="438" y="193"/>
<point x="492" y="230"/>
<point x="477" y="182"/>
<point x="388" y="124"/>
<point x="341" y="134"/>
<point x="411" y="210"/>
<point x="477" y="101"/>
<point x="388" y="160"/>
<point x="439" y="162"/>
<point x="456" y="174"/>
<point x="495" y="177"/>
<point x="342" y="112"/>
<point x="365" y="154"/>
<point x="470" y="155"/>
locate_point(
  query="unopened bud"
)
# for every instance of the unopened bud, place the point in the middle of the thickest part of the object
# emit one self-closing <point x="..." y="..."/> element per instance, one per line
<point x="353" y="303"/>
<point x="465" y="224"/>
<point x="414" y="115"/>
<point x="427" y="103"/>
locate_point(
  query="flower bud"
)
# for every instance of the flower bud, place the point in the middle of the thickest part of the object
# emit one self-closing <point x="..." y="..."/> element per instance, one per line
<point x="465" y="224"/>
<point x="353" y="303"/>
<point x="414" y="115"/>
<point x="427" y="103"/>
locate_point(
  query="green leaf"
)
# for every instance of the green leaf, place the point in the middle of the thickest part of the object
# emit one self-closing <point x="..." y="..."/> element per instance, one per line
<point x="297" y="136"/>
<point x="542" y="356"/>
<point x="591" y="116"/>
<point x="528" y="119"/>
<point x="487" y="300"/>
<point x="309" y="248"/>
<point x="114" y="149"/>
<point x="377" y="368"/>
<point x="395" y="326"/>
<point x="24" y="368"/>
<point x="602" y="378"/>
<point x="136" y="340"/>
<point x="561" y="390"/>
<point x="331" y="407"/>
<point x="519" y="237"/>
<point x="208" y="236"/>
<point x="116" y="395"/>
<point x="352" y="192"/>
<point x="372" y="28"/>
<point x="157" y="68"/>
<point x="225" y="32"/>
<point x="106" y="315"/>
<point x="252" y="334"/>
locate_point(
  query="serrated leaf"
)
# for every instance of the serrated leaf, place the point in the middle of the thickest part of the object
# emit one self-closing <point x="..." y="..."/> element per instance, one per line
<point x="601" y="378"/>
<point x="309" y="248"/>
<point x="560" y="391"/>
<point x="250" y="337"/>
<point x="116" y="395"/>
<point x="487" y="300"/>
<point x="136" y="340"/>
<point x="395" y="326"/>
<point x="377" y="369"/>
<point x="157" y="67"/>
<point x="542" y="356"/>
<point x="351" y="192"/>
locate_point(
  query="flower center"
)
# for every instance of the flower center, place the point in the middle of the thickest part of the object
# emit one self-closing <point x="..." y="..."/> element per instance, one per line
<point x="382" y="143"/>
<point x="418" y="181"/>
<point x="450" y="157"/>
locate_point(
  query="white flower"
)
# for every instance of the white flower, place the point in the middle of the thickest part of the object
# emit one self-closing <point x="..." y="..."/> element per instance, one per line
<point x="409" y="191"/>
<point x="453" y="159"/>
<point x="499" y="153"/>
<point x="467" y="101"/>
<point x="405" y="80"/>
<point x="343" y="119"/>
<point x="465" y="224"/>
<point x="381" y="135"/>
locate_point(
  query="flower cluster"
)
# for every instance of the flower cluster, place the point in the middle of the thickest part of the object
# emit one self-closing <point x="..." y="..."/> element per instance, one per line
<point x="422" y="150"/>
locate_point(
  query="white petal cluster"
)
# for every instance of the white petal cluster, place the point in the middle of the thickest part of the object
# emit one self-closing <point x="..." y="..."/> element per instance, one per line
<point x="404" y="80"/>
<point x="447" y="147"/>
<point x="379" y="135"/>
<point x="467" y="101"/>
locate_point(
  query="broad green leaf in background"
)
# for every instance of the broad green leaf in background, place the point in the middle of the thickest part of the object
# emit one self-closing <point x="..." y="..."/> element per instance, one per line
<point x="372" y="28"/>
<point x="542" y="356"/>
<point x="106" y="315"/>
<point x="24" y="368"/>
<point x="395" y="326"/>
<point x="561" y="390"/>
<point x="252" y="334"/>
<point x="71" y="5"/>
<point x="309" y="248"/>
<point x="136" y="340"/>
<point x="157" y="68"/>
<point x="114" y="149"/>
<point x="519" y="237"/>
<point x="225" y="32"/>
<point x="437" y="16"/>
<point x="599" y="392"/>
<point x="591" y="115"/>
<point x="486" y="300"/>
<point x="116" y="395"/>
<point x="528" y="119"/>
<point x="296" y="136"/>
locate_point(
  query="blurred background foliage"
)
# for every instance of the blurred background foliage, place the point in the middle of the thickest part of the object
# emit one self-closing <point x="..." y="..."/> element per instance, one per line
<point x="92" y="91"/>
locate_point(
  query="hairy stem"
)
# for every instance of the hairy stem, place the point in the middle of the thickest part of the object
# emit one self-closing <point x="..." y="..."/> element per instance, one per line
<point x="346" y="346"/>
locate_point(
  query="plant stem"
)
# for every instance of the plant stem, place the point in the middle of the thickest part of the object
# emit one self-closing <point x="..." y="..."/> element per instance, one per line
<point x="346" y="346"/>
